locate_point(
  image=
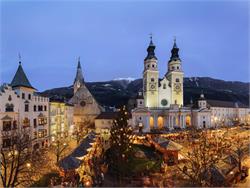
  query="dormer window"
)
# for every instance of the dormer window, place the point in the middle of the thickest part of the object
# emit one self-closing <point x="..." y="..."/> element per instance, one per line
<point x="9" y="108"/>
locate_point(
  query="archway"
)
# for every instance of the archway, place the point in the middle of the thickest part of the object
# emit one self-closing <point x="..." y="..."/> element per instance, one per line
<point x="160" y="122"/>
<point x="151" y="122"/>
<point x="188" y="120"/>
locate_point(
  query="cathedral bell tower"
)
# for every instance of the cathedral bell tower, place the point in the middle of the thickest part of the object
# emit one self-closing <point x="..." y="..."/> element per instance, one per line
<point x="175" y="76"/>
<point x="79" y="81"/>
<point x="150" y="77"/>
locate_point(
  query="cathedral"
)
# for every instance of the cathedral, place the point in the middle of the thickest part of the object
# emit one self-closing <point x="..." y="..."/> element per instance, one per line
<point x="168" y="90"/>
<point x="160" y="107"/>
<point x="160" y="104"/>
<point x="86" y="107"/>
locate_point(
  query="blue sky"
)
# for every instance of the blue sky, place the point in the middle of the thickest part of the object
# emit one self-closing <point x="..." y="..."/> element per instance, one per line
<point x="111" y="38"/>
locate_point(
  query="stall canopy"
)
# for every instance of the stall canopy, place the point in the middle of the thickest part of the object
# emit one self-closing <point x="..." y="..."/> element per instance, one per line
<point x="72" y="161"/>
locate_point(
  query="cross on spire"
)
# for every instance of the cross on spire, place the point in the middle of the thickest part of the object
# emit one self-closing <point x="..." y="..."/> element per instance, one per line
<point x="175" y="46"/>
<point x="19" y="57"/>
<point x="151" y="36"/>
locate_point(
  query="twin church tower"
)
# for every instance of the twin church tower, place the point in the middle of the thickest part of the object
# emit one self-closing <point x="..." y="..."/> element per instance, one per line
<point x="168" y="90"/>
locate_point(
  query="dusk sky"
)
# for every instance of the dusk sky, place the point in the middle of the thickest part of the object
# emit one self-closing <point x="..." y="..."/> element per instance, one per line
<point x="111" y="38"/>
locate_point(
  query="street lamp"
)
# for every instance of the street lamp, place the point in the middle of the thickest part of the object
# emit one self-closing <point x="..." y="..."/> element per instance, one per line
<point x="87" y="183"/>
<point x="28" y="165"/>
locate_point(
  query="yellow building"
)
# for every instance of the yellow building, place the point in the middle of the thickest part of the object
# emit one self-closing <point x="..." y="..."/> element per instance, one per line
<point x="61" y="119"/>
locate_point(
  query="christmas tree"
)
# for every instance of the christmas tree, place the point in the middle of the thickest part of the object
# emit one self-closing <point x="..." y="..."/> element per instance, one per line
<point x="120" y="140"/>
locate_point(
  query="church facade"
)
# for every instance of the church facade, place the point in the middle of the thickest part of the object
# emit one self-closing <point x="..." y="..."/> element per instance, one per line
<point x="86" y="108"/>
<point x="160" y="106"/>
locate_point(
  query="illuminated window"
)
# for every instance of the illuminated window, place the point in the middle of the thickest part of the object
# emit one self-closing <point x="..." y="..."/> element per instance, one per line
<point x="42" y="121"/>
<point x="176" y="121"/>
<point x="151" y="122"/>
<point x="26" y="122"/>
<point x="35" y="134"/>
<point x="40" y="134"/>
<point x="160" y="122"/>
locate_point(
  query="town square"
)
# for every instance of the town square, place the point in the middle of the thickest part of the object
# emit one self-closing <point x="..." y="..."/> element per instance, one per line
<point x="124" y="94"/>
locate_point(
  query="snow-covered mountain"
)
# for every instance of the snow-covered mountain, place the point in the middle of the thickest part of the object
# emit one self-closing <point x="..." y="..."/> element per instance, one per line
<point x="119" y="91"/>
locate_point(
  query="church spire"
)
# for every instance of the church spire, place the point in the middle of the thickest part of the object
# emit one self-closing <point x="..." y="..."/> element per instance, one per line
<point x="79" y="80"/>
<point x="175" y="52"/>
<point x="151" y="50"/>
<point x="79" y="64"/>
<point x="20" y="79"/>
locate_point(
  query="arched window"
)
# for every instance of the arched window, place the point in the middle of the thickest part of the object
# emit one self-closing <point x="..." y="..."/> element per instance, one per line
<point x="151" y="122"/>
<point x="160" y="122"/>
<point x="153" y="65"/>
<point x="152" y="79"/>
<point x="177" y="80"/>
<point x="172" y="67"/>
<point x="188" y="120"/>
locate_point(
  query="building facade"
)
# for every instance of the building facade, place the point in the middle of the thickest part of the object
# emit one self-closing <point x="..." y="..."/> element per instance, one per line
<point x="159" y="107"/>
<point x="61" y="119"/>
<point x="86" y="107"/>
<point x="23" y="110"/>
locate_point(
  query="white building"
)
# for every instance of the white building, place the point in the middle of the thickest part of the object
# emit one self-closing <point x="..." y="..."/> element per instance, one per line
<point x="160" y="105"/>
<point x="22" y="109"/>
